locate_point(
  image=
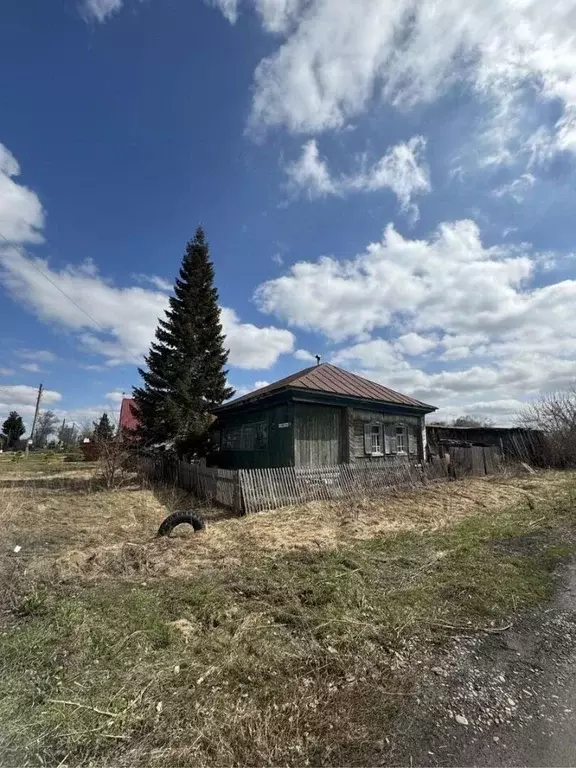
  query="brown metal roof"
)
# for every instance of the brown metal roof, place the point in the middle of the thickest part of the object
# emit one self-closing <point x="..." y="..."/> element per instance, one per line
<point x="329" y="379"/>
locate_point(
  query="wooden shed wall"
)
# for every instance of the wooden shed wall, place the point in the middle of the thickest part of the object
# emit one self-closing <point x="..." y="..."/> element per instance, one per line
<point x="318" y="435"/>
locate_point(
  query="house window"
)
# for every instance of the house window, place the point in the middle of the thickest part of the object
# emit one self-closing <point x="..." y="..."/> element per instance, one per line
<point x="376" y="439"/>
<point x="249" y="437"/>
<point x="401" y="439"/>
<point x="232" y="439"/>
<point x="261" y="436"/>
<point x="248" y="434"/>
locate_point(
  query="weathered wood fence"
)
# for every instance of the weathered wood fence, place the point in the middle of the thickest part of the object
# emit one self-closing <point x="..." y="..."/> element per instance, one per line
<point x="214" y="485"/>
<point x="254" y="490"/>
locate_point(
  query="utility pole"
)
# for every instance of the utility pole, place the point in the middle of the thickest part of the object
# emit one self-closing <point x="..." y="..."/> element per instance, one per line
<point x="40" y="388"/>
<point x="61" y="436"/>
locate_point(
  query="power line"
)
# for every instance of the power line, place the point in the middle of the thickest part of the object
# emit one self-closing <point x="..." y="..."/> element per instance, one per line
<point x="104" y="330"/>
<point x="44" y="275"/>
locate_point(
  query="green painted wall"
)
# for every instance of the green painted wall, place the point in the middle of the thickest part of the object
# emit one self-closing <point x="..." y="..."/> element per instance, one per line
<point x="280" y="448"/>
<point x="318" y="435"/>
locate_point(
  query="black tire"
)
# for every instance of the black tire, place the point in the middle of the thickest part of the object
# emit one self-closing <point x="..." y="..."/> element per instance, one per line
<point x="177" y="518"/>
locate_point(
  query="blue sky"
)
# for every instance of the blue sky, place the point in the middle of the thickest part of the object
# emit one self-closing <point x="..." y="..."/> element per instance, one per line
<point x="396" y="196"/>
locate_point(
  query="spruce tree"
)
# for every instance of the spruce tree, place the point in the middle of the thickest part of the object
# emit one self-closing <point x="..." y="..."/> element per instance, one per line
<point x="103" y="430"/>
<point x="185" y="375"/>
<point x="13" y="428"/>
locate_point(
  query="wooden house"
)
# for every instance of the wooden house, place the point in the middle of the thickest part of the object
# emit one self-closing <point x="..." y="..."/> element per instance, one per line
<point x="320" y="416"/>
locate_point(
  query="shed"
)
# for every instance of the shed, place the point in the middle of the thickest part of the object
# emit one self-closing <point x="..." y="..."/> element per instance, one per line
<point x="322" y="415"/>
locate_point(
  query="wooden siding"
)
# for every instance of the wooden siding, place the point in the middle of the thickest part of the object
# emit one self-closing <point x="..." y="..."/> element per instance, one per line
<point x="358" y="417"/>
<point x="280" y="447"/>
<point x="317" y="435"/>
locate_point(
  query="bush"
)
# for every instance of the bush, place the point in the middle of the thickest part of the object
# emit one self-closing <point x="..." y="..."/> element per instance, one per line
<point x="74" y="457"/>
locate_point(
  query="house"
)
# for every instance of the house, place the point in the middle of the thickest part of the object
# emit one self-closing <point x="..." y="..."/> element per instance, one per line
<point x="128" y="417"/>
<point x="322" y="415"/>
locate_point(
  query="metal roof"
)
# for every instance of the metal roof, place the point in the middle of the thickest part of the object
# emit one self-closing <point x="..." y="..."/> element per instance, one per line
<point x="128" y="417"/>
<point x="329" y="379"/>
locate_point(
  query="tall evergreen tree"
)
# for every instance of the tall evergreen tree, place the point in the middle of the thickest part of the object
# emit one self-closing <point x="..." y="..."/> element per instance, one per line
<point x="103" y="430"/>
<point x="185" y="374"/>
<point x="13" y="428"/>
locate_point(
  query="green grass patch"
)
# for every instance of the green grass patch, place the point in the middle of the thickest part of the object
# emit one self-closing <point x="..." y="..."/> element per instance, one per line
<point x="300" y="659"/>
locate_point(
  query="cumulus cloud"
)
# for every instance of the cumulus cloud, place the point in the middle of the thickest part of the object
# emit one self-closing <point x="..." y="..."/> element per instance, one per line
<point x="251" y="346"/>
<point x="121" y="320"/>
<point x="310" y="174"/>
<point x="491" y="323"/>
<point x="304" y="356"/>
<point x="114" y="322"/>
<point x="402" y="170"/>
<point x="21" y="213"/>
<point x="31" y="367"/>
<point x="22" y="399"/>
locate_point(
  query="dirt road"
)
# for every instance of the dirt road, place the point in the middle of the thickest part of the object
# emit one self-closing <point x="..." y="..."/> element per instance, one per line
<point x="505" y="699"/>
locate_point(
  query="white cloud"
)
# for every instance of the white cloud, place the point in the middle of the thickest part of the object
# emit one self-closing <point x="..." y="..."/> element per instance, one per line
<point x="335" y="59"/>
<point x="240" y="391"/>
<point x="228" y="7"/>
<point x="450" y="281"/>
<point x="158" y="282"/>
<point x="402" y="170"/>
<point x="495" y="330"/>
<point x="100" y="10"/>
<point x="116" y="396"/>
<point x="31" y="367"/>
<point x="310" y="174"/>
<point x="377" y="353"/>
<point x="7" y="371"/>
<point x="414" y="344"/>
<point x="22" y="399"/>
<point x="304" y="356"/>
<point x="21" y="213"/>
<point x="117" y="323"/>
<point x="517" y="189"/>
<point x="251" y="346"/>
<point x="37" y="355"/>
<point x="121" y="321"/>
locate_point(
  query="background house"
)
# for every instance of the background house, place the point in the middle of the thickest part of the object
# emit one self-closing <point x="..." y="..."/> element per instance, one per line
<point x="322" y="415"/>
<point x="128" y="421"/>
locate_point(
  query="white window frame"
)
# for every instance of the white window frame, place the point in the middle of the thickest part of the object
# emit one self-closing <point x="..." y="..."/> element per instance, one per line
<point x="371" y="430"/>
<point x="376" y="431"/>
<point x="401" y="432"/>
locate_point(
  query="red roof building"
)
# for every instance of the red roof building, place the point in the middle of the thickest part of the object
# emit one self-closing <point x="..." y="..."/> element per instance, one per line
<point x="128" y="417"/>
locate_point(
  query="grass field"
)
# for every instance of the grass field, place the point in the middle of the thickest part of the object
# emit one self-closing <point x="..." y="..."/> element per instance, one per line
<point x="294" y="636"/>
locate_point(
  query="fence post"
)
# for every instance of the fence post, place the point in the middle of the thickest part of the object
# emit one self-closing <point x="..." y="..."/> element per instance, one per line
<point x="237" y="501"/>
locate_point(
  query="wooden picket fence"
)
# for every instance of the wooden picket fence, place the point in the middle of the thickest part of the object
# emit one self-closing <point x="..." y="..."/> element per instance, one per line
<point x="254" y="490"/>
<point x="211" y="484"/>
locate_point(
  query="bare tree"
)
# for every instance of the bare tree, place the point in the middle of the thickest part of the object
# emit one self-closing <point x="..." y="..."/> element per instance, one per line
<point x="113" y="459"/>
<point x="67" y="436"/>
<point x="45" y="427"/>
<point x="554" y="414"/>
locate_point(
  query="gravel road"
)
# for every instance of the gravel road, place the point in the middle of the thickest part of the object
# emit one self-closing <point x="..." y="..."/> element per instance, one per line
<point x="507" y="698"/>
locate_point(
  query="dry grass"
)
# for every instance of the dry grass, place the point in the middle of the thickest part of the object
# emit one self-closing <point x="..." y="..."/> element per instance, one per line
<point x="287" y="637"/>
<point x="83" y="531"/>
